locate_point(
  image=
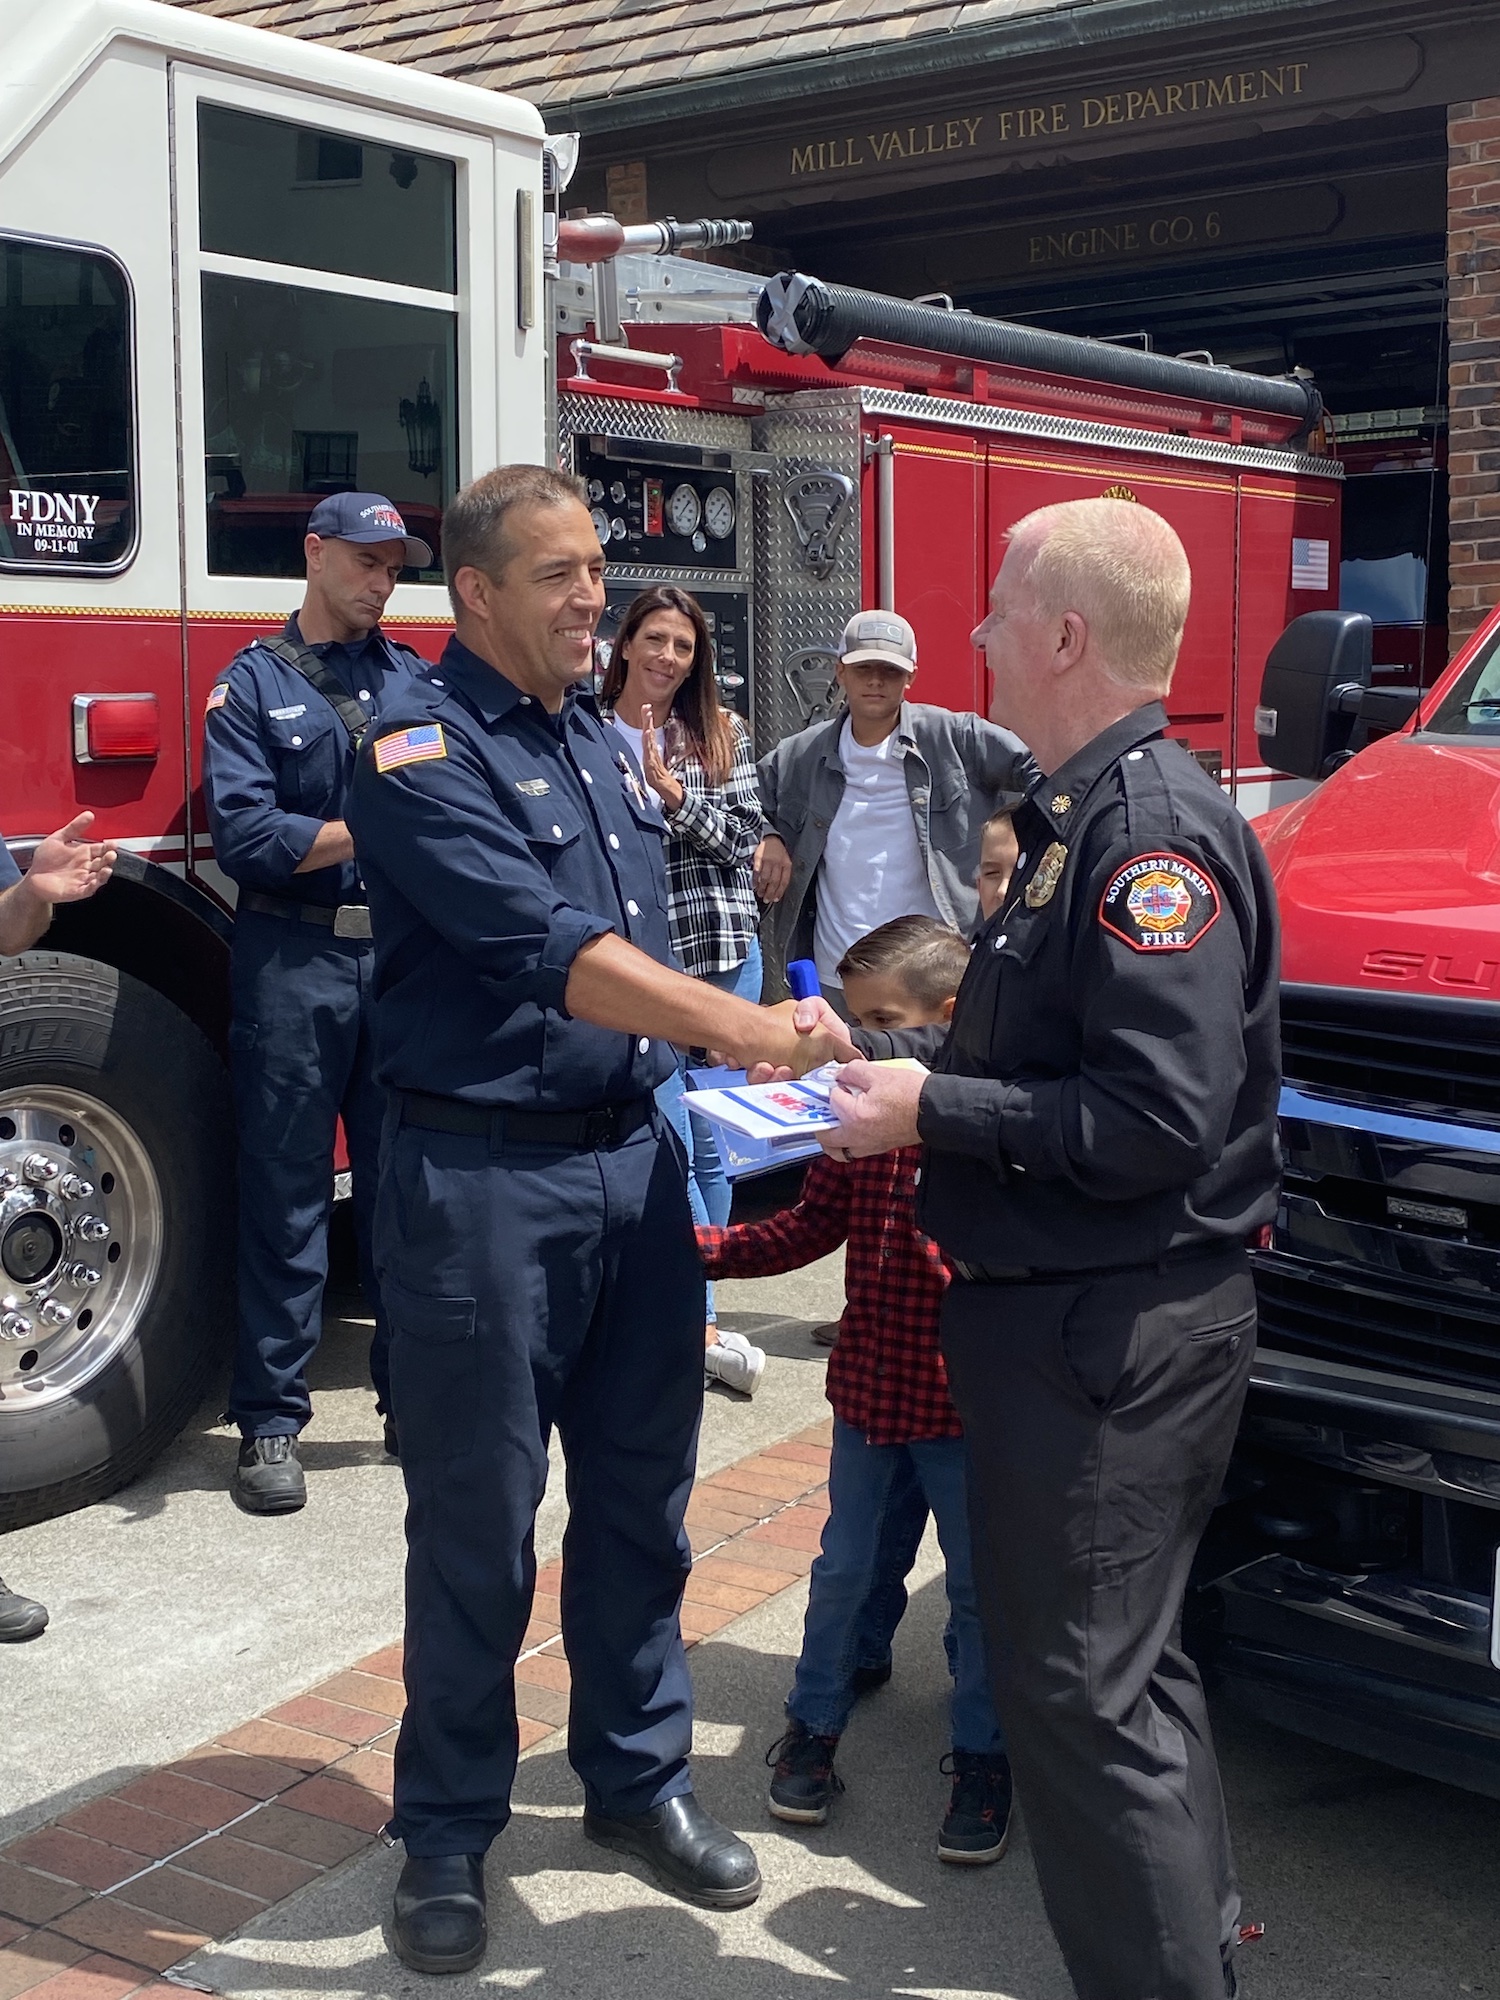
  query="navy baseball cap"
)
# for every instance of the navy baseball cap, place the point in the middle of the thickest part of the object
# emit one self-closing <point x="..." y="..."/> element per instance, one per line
<point x="366" y="517"/>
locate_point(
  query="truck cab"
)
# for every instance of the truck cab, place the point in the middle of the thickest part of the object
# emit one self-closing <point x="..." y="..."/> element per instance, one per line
<point x="1349" y="1581"/>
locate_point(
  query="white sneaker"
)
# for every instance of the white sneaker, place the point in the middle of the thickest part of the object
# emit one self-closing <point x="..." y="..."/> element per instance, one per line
<point x="737" y="1368"/>
<point x="735" y="1340"/>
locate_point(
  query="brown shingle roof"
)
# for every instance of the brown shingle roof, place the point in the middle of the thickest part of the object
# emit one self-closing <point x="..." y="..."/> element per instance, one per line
<point x="561" y="52"/>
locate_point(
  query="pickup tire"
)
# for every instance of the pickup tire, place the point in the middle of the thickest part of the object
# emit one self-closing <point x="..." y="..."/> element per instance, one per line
<point x="116" y="1229"/>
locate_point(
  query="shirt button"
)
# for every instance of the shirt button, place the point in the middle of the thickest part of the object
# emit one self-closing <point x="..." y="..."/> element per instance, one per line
<point x="1134" y="756"/>
<point x="588" y="777"/>
<point x="557" y="833"/>
<point x="614" y="840"/>
<point x="644" y="1045"/>
<point x="364" y="694"/>
<point x="526" y="701"/>
<point x="634" y="909"/>
<point x="296" y="742"/>
<point x="437" y="683"/>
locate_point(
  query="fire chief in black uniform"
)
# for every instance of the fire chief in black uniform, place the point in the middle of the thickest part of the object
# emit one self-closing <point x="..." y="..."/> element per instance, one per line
<point x="532" y="1232"/>
<point x="1101" y="1147"/>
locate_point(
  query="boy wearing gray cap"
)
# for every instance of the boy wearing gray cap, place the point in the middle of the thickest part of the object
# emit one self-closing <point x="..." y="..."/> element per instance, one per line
<point x="878" y="813"/>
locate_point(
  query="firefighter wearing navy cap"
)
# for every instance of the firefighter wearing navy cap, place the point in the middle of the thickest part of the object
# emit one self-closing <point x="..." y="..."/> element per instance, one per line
<point x="1100" y="1136"/>
<point x="283" y="724"/>
<point x="532" y="1234"/>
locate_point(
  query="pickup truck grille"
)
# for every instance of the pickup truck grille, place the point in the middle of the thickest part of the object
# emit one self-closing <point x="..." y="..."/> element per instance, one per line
<point x="1431" y="1057"/>
<point x="1403" y="1332"/>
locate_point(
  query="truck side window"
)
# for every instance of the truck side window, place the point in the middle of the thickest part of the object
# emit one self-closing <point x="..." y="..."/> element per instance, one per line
<point x="288" y="194"/>
<point x="67" y="446"/>
<point x="1471" y="706"/>
<point x="313" y="388"/>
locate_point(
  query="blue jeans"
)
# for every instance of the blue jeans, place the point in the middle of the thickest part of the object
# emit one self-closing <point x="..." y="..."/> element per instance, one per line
<point x="865" y="1482"/>
<point x="709" y="1193"/>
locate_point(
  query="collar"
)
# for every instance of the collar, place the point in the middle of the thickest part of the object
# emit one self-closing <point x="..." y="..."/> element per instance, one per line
<point x="321" y="648"/>
<point x="488" y="690"/>
<point x="1057" y="797"/>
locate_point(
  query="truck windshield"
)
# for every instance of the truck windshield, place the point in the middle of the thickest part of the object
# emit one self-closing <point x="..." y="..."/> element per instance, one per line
<point x="1471" y="706"/>
<point x="67" y="483"/>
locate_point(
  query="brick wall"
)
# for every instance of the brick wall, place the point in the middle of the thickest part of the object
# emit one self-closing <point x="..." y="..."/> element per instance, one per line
<point x="1474" y="362"/>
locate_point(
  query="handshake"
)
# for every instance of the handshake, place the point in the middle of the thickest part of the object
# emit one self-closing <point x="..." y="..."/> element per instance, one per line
<point x="876" y="1104"/>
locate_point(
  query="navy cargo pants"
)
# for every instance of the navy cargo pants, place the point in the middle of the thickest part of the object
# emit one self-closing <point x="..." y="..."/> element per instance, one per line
<point x="299" y="1057"/>
<point x="531" y="1287"/>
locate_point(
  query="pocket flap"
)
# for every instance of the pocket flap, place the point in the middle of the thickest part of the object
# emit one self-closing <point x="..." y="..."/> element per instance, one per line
<point x="428" y="1318"/>
<point x="545" y="823"/>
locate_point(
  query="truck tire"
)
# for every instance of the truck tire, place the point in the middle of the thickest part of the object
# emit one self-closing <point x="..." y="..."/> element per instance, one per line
<point x="116" y="1229"/>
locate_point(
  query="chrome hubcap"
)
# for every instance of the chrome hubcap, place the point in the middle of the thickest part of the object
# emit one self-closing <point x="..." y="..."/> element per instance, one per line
<point x="80" y="1242"/>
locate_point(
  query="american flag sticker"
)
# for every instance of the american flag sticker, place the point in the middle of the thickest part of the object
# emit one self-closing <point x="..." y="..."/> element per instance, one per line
<point x="1309" y="565"/>
<point x="409" y="746"/>
<point x="217" y="696"/>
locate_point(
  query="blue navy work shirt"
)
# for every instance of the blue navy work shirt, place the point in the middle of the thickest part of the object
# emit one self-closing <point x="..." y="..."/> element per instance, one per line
<point x="277" y="763"/>
<point x="497" y="840"/>
<point x="10" y="874"/>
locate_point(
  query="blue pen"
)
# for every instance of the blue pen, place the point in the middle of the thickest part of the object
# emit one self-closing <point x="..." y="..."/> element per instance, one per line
<point x="802" y="979"/>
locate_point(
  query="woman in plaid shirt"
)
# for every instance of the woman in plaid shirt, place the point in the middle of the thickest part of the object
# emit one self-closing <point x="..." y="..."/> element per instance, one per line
<point x="893" y="1420"/>
<point x="661" y="695"/>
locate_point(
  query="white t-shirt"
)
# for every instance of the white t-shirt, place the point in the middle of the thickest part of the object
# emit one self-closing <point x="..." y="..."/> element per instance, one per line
<point x="635" y="738"/>
<point x="872" y="866"/>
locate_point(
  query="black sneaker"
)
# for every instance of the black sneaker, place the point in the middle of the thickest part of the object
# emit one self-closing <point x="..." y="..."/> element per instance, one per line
<point x="392" y="1440"/>
<point x="804" y="1783"/>
<point x="865" y="1680"/>
<point x="268" y="1478"/>
<point x="20" y="1617"/>
<point x="977" y="1829"/>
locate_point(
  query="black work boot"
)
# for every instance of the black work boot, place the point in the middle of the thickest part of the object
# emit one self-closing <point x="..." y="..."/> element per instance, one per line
<point x="686" y="1849"/>
<point x="438" y="1918"/>
<point x="803" y="1783"/>
<point x="977" y="1828"/>
<point x="268" y="1478"/>
<point x="20" y="1617"/>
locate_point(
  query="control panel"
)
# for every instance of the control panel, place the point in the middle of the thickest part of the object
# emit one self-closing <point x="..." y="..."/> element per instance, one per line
<point x="677" y="505"/>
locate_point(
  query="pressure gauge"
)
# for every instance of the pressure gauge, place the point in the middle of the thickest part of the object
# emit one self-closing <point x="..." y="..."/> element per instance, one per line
<point x="617" y="491"/>
<point x="601" y="523"/>
<point x="617" y="529"/>
<point x="684" y="510"/>
<point x="596" y="489"/>
<point x="718" y="513"/>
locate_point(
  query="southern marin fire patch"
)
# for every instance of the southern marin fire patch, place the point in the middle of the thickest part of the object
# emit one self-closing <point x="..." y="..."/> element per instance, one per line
<point x="1159" y="903"/>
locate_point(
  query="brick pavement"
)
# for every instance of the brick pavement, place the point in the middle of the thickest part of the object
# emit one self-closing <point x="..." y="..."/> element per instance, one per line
<point x="101" y="1902"/>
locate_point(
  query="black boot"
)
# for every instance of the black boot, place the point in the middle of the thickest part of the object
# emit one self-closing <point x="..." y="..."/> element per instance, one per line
<point x="268" y="1478"/>
<point x="392" y="1441"/>
<point x="20" y="1617"/>
<point x="977" y="1828"/>
<point x="804" y="1783"/>
<point x="439" y="1921"/>
<point x="685" y="1848"/>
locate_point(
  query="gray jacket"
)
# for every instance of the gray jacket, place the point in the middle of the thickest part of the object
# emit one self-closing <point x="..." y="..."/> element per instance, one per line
<point x="959" y="770"/>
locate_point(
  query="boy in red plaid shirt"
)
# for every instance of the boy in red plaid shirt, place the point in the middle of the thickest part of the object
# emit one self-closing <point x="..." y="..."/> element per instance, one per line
<point x="893" y="1420"/>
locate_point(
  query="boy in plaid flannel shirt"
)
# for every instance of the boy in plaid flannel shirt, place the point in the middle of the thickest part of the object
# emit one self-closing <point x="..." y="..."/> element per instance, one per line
<point x="893" y="1419"/>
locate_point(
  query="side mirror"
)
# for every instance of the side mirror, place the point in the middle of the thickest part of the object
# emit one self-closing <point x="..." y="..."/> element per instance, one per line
<point x="1310" y="694"/>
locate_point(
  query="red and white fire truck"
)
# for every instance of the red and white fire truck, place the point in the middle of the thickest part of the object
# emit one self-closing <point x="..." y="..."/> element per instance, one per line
<point x="238" y="271"/>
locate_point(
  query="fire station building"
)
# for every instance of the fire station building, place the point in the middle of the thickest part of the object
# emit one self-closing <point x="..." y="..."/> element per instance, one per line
<point x="1276" y="183"/>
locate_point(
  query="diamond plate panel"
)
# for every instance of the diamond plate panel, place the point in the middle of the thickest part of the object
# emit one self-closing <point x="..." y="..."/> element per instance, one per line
<point x="659" y="423"/>
<point x="800" y="617"/>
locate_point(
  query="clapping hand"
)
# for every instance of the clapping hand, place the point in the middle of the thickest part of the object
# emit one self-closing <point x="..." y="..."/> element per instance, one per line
<point x="653" y="766"/>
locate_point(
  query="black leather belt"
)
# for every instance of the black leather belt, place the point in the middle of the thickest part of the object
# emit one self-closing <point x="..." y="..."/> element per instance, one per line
<point x="576" y="1131"/>
<point x="1020" y="1274"/>
<point x="347" y="920"/>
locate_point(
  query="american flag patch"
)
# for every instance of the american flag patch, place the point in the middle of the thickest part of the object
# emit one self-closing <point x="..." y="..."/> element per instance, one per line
<point x="217" y="696"/>
<point x="1309" y="564"/>
<point x="409" y="746"/>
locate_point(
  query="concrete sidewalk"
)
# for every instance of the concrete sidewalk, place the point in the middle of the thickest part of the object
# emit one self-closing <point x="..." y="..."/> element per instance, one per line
<point x="175" y="1616"/>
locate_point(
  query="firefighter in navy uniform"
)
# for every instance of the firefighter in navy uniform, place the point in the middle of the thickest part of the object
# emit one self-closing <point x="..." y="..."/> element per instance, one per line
<point x="532" y="1233"/>
<point x="283" y="724"/>
<point x="1101" y="1148"/>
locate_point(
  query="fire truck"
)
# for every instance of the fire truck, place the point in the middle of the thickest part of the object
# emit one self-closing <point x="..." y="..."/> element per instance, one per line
<point x="239" y="271"/>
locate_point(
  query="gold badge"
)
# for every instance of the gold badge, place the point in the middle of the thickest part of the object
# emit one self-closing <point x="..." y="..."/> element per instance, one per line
<point x="1062" y="803"/>
<point x="1048" y="874"/>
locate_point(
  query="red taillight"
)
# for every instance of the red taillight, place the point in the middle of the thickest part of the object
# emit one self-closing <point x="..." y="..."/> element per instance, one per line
<point x="116" y="728"/>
